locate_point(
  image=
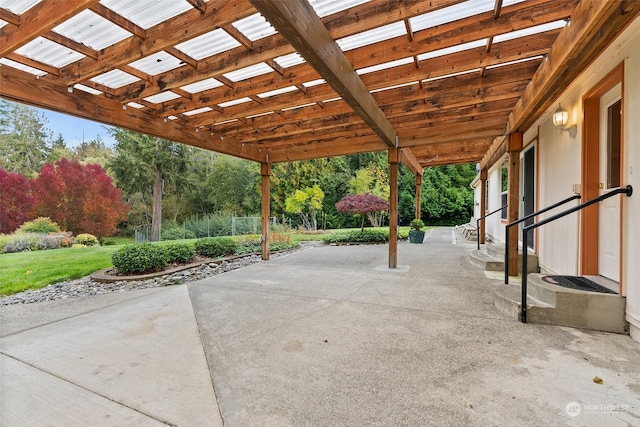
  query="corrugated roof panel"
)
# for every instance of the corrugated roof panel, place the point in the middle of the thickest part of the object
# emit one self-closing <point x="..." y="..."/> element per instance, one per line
<point x="206" y="84"/>
<point x="92" y="30"/>
<point x="510" y="2"/>
<point x="147" y="13"/>
<point x="295" y="107"/>
<point x="529" y="31"/>
<point x="504" y="64"/>
<point x="234" y="102"/>
<point x="329" y="7"/>
<point x="2" y="23"/>
<point x="87" y="89"/>
<point x="197" y="111"/>
<point x="135" y="105"/>
<point x="162" y="97"/>
<point x="375" y="35"/>
<point x="115" y="79"/>
<point x="392" y="87"/>
<point x="49" y="52"/>
<point x="314" y="83"/>
<point x="384" y="66"/>
<point x="450" y="14"/>
<point x="452" y="49"/>
<point x="475" y="70"/>
<point x="259" y="115"/>
<point x="289" y="60"/>
<point x="248" y="72"/>
<point x="254" y="27"/>
<point x="277" y="91"/>
<point x="157" y="63"/>
<point x="19" y="66"/>
<point x="211" y="43"/>
<point x="18" y="6"/>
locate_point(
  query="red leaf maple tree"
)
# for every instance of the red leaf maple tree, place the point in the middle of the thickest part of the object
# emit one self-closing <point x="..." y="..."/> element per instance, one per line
<point x="16" y="200"/>
<point x="362" y="204"/>
<point x="81" y="199"/>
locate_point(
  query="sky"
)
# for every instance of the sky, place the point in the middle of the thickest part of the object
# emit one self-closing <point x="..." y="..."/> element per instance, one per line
<point x="73" y="129"/>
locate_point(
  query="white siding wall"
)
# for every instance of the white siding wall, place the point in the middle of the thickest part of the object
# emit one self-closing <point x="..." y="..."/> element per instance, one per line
<point x="631" y="175"/>
<point x="494" y="225"/>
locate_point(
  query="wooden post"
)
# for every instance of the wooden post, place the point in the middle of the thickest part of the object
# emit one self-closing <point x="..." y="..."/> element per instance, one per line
<point x="514" y="146"/>
<point x="483" y="205"/>
<point x="265" y="171"/>
<point x="418" y="196"/>
<point x="394" y="159"/>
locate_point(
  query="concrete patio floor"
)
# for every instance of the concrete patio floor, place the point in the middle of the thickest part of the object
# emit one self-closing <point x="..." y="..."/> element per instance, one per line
<point x="327" y="336"/>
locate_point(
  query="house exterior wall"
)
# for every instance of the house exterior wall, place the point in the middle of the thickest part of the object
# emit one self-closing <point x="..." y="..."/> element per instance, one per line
<point x="494" y="228"/>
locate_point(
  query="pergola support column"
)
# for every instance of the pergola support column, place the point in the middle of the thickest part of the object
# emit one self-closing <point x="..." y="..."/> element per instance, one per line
<point x="394" y="160"/>
<point x="418" y="196"/>
<point x="514" y="147"/>
<point x="483" y="205"/>
<point x="265" y="171"/>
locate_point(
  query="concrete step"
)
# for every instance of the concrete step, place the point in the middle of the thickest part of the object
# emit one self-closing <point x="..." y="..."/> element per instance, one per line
<point x="493" y="260"/>
<point x="555" y="305"/>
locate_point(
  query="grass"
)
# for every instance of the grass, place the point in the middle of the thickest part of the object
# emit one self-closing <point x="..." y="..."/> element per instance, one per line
<point x="34" y="270"/>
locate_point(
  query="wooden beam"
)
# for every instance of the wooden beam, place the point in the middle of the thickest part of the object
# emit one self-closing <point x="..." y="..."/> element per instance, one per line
<point x="394" y="159"/>
<point x="33" y="63"/>
<point x="483" y="205"/>
<point x="118" y="20"/>
<point x="514" y="143"/>
<point x="418" y="213"/>
<point x="23" y="87"/>
<point x="10" y="17"/>
<point x="199" y="5"/>
<point x="448" y="133"/>
<point x="71" y="44"/>
<point x="408" y="159"/>
<point x="594" y="25"/>
<point x="265" y="172"/>
<point x="38" y="20"/>
<point x="298" y="23"/>
<point x="494" y="153"/>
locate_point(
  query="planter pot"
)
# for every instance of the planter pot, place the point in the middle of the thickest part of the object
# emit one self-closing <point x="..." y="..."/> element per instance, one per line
<point x="416" y="236"/>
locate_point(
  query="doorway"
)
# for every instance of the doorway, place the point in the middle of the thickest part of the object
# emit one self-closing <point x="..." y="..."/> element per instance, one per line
<point x="528" y="190"/>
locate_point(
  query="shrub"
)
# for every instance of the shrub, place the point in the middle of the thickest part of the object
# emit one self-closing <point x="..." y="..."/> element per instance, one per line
<point x="87" y="239"/>
<point x="78" y="245"/>
<point x="108" y="243"/>
<point x="20" y="242"/>
<point x="248" y="245"/>
<point x="215" y="247"/>
<point x="140" y="258"/>
<point x="179" y="252"/>
<point x="50" y="242"/>
<point x="177" y="233"/>
<point x="416" y="224"/>
<point x="357" y="236"/>
<point x="4" y="238"/>
<point x="39" y="225"/>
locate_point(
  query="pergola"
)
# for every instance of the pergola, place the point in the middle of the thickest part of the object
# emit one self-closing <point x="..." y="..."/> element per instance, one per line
<point x="432" y="82"/>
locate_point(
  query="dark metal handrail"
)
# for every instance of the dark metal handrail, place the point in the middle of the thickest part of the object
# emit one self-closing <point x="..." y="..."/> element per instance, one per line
<point x="628" y="190"/>
<point x="482" y="218"/>
<point x="518" y="221"/>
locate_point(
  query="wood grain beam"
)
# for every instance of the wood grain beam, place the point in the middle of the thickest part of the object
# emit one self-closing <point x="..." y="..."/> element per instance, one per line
<point x="449" y="133"/>
<point x="594" y="25"/>
<point x="40" y="19"/>
<point x="298" y="23"/>
<point x="408" y="159"/>
<point x="495" y="152"/>
<point x="10" y="17"/>
<point x="22" y="87"/>
<point x="118" y="20"/>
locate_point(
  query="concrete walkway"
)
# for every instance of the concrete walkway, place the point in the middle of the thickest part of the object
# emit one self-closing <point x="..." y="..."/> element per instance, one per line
<point x="327" y="336"/>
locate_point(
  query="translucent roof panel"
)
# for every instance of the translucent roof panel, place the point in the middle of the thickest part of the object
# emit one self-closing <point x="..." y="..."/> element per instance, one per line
<point x="260" y="115"/>
<point x="450" y="14"/>
<point x="529" y="31"/>
<point x="197" y="111"/>
<point x="211" y="43"/>
<point x="19" y="66"/>
<point x="92" y="30"/>
<point x="206" y="84"/>
<point x="277" y="91"/>
<point x="314" y="83"/>
<point x="298" y="106"/>
<point x="87" y="89"/>
<point x="254" y="27"/>
<point x="18" y="6"/>
<point x="234" y="102"/>
<point x="452" y="49"/>
<point x="375" y="35"/>
<point x="49" y="52"/>
<point x="385" y="66"/>
<point x="135" y="105"/>
<point x="393" y="87"/>
<point x="289" y="60"/>
<point x="329" y="7"/>
<point x="147" y="13"/>
<point x="248" y="72"/>
<point x="533" y="58"/>
<point x="115" y="79"/>
<point x="475" y="70"/>
<point x="157" y="63"/>
<point x="162" y="97"/>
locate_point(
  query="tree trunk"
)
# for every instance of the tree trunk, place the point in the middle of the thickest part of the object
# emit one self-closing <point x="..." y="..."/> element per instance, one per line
<point x="156" y="216"/>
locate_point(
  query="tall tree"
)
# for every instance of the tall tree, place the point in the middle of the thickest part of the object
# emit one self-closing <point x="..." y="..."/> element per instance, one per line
<point x="93" y="151"/>
<point x="81" y="199"/>
<point x="306" y="202"/>
<point x="24" y="139"/>
<point x="16" y="201"/>
<point x="142" y="162"/>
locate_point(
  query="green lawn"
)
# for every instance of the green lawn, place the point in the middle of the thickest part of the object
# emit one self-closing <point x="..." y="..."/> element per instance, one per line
<point x="34" y="270"/>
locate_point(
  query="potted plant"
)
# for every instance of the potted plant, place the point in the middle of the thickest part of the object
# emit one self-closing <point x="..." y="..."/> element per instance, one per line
<point x="416" y="235"/>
